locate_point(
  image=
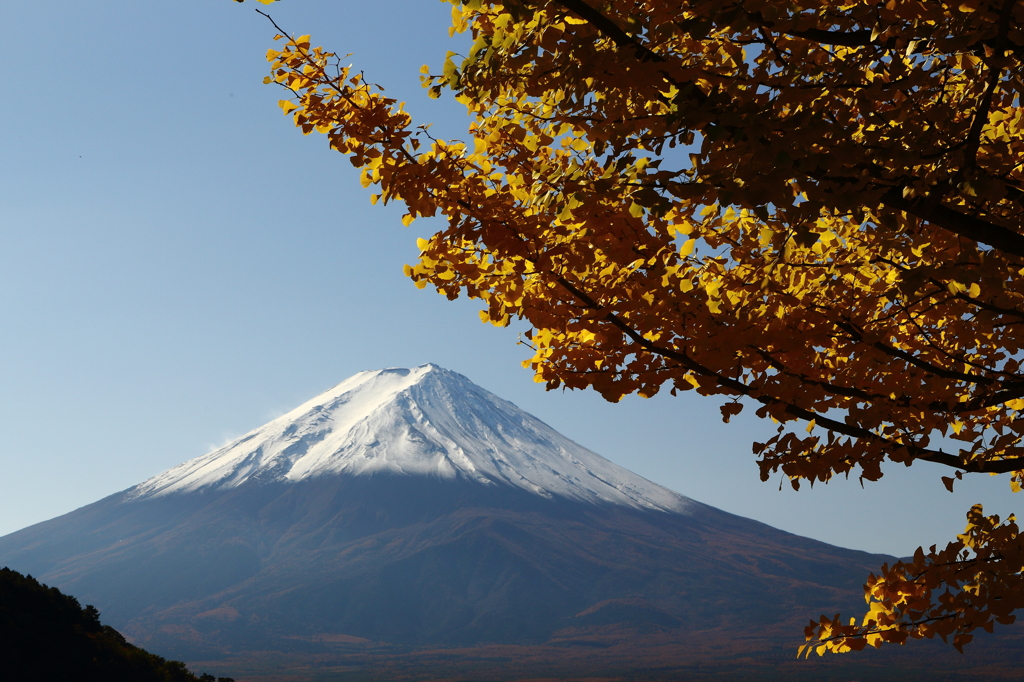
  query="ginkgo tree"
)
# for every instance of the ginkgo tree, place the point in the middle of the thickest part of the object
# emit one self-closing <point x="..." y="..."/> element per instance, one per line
<point x="811" y="207"/>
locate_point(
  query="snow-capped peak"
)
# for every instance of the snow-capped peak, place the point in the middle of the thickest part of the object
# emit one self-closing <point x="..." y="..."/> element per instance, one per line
<point x="422" y="421"/>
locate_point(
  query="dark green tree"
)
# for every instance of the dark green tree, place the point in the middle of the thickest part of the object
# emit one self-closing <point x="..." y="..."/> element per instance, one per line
<point x="47" y="635"/>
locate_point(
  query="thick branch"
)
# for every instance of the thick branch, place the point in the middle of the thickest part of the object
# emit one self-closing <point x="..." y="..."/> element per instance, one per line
<point x="1000" y="466"/>
<point x="846" y="391"/>
<point x="610" y="29"/>
<point x="860" y="38"/>
<point x="912" y="359"/>
<point x="981" y="115"/>
<point x="975" y="229"/>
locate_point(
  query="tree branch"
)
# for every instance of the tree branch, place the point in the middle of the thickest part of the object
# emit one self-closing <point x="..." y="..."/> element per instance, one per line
<point x="912" y="359"/>
<point x="609" y="28"/>
<point x="999" y="466"/>
<point x="981" y="115"/>
<point x="975" y="229"/>
<point x="859" y="38"/>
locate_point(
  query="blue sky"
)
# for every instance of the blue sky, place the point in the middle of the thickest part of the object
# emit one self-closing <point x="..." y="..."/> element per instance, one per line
<point x="180" y="265"/>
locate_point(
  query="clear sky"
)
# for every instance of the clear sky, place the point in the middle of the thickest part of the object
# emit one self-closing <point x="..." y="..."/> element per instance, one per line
<point x="180" y="265"/>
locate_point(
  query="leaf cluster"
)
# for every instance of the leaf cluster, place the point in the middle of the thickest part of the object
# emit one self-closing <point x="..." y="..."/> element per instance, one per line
<point x="980" y="579"/>
<point x="812" y="208"/>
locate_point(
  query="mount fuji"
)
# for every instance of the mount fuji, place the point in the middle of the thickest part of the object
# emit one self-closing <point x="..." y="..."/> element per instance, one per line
<point x="410" y="508"/>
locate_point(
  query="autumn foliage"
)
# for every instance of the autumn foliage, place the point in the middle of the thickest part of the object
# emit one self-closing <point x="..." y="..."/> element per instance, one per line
<point x="809" y="207"/>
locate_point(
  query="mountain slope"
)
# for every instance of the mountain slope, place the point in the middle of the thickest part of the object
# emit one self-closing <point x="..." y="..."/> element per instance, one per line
<point x="407" y="561"/>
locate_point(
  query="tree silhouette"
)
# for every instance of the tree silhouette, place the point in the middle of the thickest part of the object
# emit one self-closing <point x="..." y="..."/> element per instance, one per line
<point x="46" y="635"/>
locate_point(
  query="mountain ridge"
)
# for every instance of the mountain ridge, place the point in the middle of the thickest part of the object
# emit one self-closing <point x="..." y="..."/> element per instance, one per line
<point x="421" y="421"/>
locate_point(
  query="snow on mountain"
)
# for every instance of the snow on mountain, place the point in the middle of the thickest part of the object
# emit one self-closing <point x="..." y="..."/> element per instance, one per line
<point x="424" y="421"/>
